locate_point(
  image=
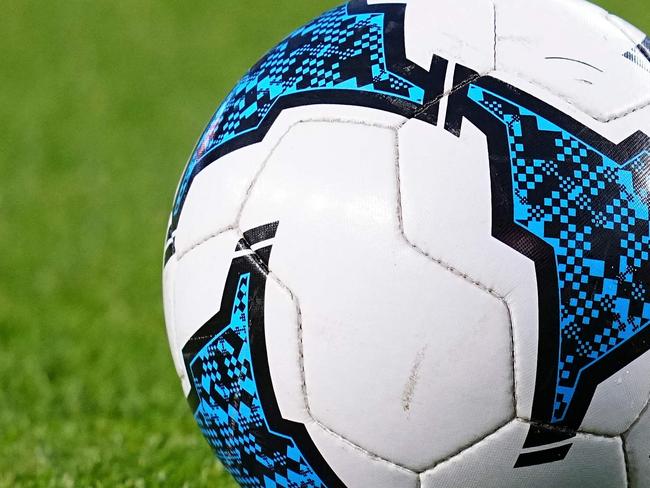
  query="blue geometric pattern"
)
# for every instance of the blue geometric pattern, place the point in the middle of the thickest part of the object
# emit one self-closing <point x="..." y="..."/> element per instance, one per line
<point x="337" y="51"/>
<point x="230" y="413"/>
<point x="593" y="212"/>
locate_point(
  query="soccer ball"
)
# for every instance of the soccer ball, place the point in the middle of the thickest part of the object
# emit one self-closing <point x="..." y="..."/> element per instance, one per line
<point x="411" y="250"/>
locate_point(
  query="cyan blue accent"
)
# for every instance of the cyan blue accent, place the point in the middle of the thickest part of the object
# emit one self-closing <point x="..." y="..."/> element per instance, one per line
<point x="593" y="211"/>
<point x="230" y="413"/>
<point x="337" y="51"/>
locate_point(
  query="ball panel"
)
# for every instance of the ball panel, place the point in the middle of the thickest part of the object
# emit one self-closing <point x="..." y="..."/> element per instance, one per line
<point x="616" y="130"/>
<point x="619" y="400"/>
<point x="217" y="193"/>
<point x="199" y="285"/>
<point x="574" y="195"/>
<point x="232" y="395"/>
<point x="450" y="218"/>
<point x="284" y="349"/>
<point x="470" y="42"/>
<point x="583" y="60"/>
<point x="393" y="320"/>
<point x="637" y="446"/>
<point x="169" y="275"/>
<point x="357" y="468"/>
<point x="592" y="462"/>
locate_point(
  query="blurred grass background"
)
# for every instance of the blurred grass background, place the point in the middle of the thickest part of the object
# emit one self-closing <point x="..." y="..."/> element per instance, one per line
<point x="100" y="105"/>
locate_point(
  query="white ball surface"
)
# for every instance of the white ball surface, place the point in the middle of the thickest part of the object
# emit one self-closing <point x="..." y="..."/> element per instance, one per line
<point x="401" y="330"/>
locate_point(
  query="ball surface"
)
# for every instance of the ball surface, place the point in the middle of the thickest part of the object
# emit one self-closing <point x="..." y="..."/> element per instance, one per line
<point x="411" y="250"/>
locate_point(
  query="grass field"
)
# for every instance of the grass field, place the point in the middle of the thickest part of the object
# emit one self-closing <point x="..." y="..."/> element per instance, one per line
<point x="100" y="104"/>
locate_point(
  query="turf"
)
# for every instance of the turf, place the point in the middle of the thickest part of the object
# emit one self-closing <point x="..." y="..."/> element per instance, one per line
<point x="100" y="103"/>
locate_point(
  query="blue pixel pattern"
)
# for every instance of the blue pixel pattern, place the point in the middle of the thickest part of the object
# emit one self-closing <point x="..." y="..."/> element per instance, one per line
<point x="338" y="50"/>
<point x="593" y="211"/>
<point x="230" y="413"/>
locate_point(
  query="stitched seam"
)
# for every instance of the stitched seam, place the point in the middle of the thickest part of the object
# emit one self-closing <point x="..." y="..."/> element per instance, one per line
<point x="423" y="109"/>
<point x="455" y="271"/>
<point x="395" y="130"/>
<point x="610" y="20"/>
<point x="180" y="255"/>
<point x="271" y="275"/>
<point x="467" y="447"/>
<point x="497" y="431"/>
<point x="199" y="242"/>
<point x="573" y="103"/>
<point x="443" y="264"/>
<point x="565" y="430"/>
<point x="358" y="448"/>
<point x="265" y="270"/>
<point x="511" y="320"/>
<point x="609" y="17"/>
<point x="515" y="385"/>
<point x="626" y="460"/>
<point x="300" y="335"/>
<point x="643" y="411"/>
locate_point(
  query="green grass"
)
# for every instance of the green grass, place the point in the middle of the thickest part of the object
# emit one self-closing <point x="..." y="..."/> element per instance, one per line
<point x="100" y="103"/>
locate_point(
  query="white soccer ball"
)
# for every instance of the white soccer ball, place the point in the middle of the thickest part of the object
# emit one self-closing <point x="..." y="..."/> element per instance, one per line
<point x="411" y="250"/>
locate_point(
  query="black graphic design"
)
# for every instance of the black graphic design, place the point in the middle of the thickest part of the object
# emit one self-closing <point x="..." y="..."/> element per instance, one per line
<point x="232" y="395"/>
<point x="572" y="201"/>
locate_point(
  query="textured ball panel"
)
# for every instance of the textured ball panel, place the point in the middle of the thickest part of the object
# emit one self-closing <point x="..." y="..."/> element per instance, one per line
<point x="395" y="345"/>
<point x="637" y="447"/>
<point x="231" y="395"/>
<point x="593" y="462"/>
<point x="582" y="59"/>
<point x="450" y="219"/>
<point x="357" y="467"/>
<point x="214" y="201"/>
<point x="428" y="33"/>
<point x="169" y="275"/>
<point x="282" y="323"/>
<point x="199" y="281"/>
<point x="620" y="399"/>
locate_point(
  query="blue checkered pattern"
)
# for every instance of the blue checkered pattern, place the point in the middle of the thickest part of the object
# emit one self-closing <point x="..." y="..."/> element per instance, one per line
<point x="593" y="211"/>
<point x="230" y="413"/>
<point x="337" y="51"/>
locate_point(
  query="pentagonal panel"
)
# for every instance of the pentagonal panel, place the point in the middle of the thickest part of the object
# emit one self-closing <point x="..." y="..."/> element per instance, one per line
<point x="395" y="345"/>
<point x="585" y="462"/>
